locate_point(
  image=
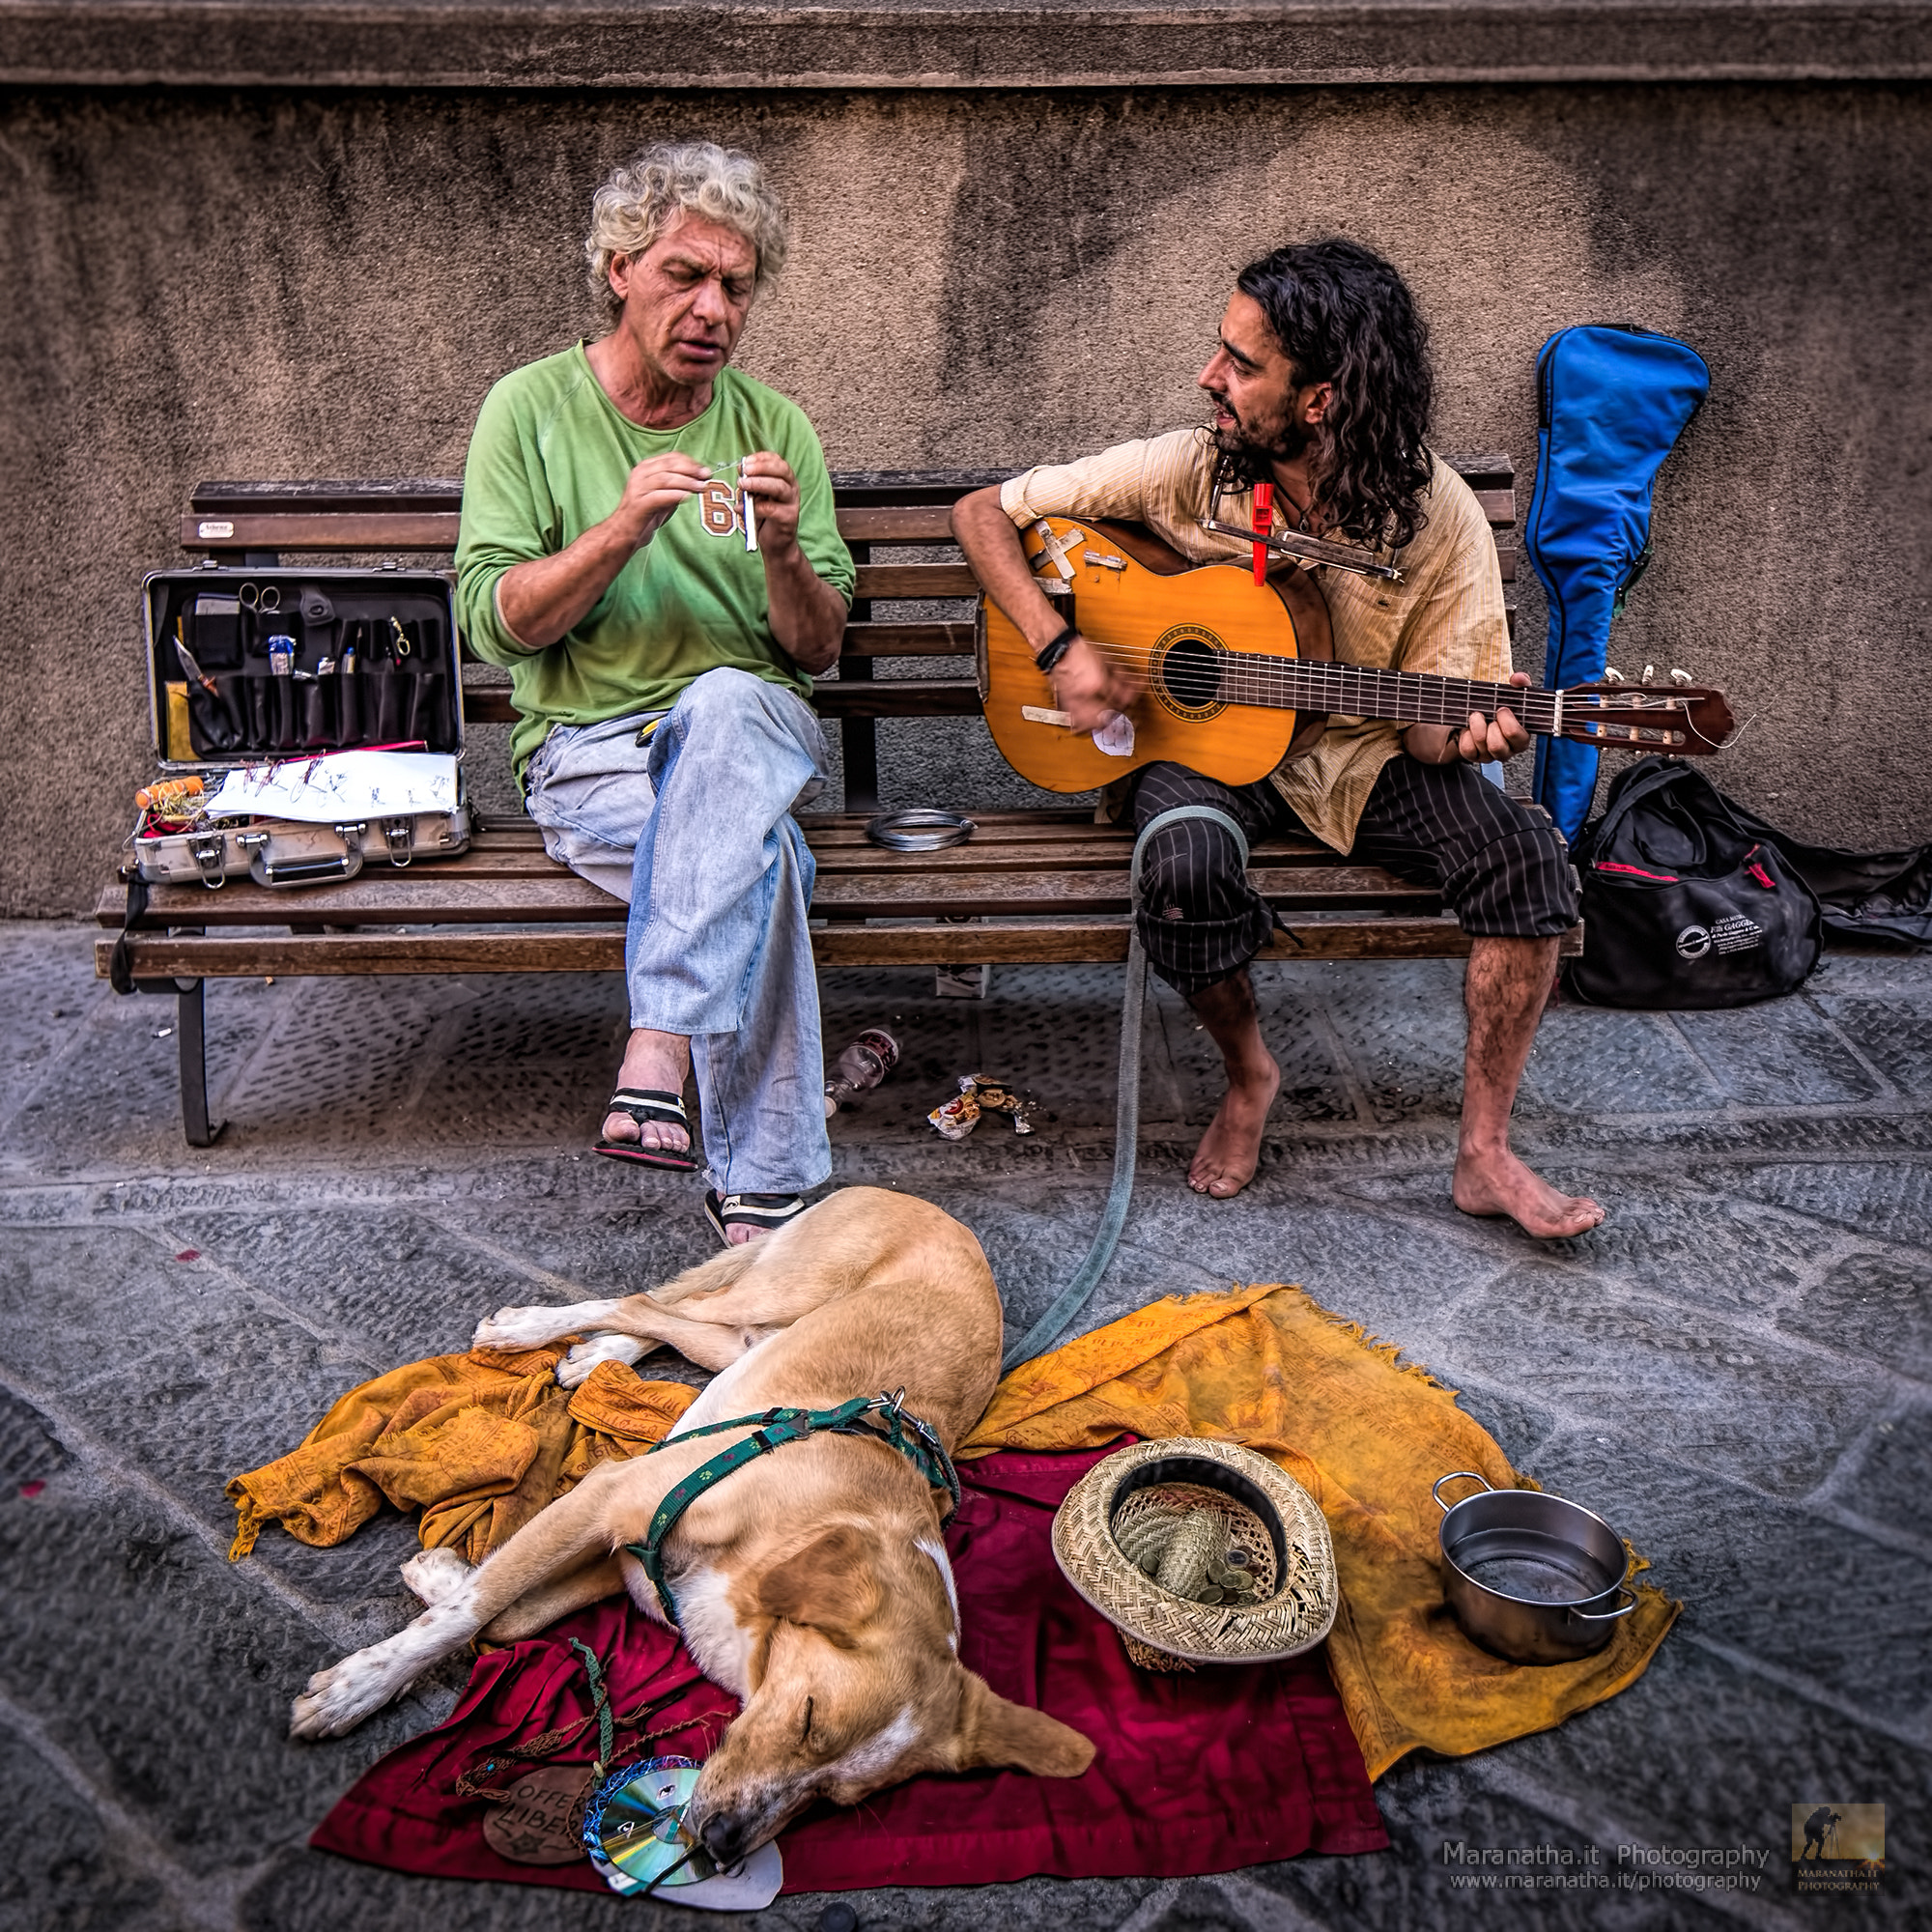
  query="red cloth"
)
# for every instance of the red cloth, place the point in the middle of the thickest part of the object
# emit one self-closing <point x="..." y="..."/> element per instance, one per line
<point x="1199" y="1772"/>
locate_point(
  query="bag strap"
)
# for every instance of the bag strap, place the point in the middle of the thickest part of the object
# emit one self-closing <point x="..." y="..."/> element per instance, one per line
<point x="1644" y="781"/>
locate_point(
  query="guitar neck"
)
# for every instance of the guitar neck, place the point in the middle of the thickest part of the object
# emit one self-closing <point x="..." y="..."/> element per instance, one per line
<point x="1355" y="690"/>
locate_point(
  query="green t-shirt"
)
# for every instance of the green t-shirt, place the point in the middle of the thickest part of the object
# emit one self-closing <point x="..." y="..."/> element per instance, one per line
<point x="549" y="459"/>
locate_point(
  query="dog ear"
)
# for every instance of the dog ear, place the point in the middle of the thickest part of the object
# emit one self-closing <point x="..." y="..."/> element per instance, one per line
<point x="995" y="1732"/>
<point x="831" y="1585"/>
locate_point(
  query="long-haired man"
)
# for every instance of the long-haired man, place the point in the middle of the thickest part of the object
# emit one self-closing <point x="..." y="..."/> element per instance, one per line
<point x="1320" y="384"/>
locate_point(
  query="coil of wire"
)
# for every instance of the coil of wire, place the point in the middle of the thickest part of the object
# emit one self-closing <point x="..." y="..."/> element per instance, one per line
<point x="921" y="831"/>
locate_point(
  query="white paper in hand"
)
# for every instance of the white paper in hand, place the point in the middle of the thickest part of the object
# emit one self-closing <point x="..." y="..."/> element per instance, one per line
<point x="341" y="785"/>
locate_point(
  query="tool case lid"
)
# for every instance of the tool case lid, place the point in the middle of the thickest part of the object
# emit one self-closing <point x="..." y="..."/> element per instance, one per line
<point x="223" y="615"/>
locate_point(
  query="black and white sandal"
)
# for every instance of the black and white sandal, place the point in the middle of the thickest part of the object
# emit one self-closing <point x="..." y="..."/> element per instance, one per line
<point x="649" y="1105"/>
<point x="762" y="1212"/>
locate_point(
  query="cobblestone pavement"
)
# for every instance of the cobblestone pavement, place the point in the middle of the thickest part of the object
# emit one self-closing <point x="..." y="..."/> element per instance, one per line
<point x="1737" y="1367"/>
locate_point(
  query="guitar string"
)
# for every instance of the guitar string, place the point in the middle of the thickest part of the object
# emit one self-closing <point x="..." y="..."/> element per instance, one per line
<point x="1425" y="694"/>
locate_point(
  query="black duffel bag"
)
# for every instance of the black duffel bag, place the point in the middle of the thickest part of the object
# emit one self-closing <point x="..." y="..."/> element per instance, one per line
<point x="1683" y="905"/>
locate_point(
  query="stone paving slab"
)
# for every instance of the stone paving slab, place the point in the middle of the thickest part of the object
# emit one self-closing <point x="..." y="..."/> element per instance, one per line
<point x="1887" y="1484"/>
<point x="1734" y="1368"/>
<point x="1759" y="1751"/>
<point x="1894" y="1035"/>
<point x="1779" y="1053"/>
<point x="1436" y="1813"/>
<point x="1763" y="1577"/>
<point x="1874" y="1304"/>
<point x="1890" y="1202"/>
<point x="163" y="1672"/>
<point x="1713" y="1392"/>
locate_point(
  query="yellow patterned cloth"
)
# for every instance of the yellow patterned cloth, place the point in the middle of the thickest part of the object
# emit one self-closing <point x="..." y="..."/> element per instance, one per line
<point x="480" y="1442"/>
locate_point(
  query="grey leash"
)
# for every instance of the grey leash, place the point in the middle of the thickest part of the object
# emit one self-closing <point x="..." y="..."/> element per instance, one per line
<point x="1074" y="1296"/>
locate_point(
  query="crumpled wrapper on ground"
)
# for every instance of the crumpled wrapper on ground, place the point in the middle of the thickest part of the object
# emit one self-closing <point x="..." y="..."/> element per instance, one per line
<point x="979" y="1094"/>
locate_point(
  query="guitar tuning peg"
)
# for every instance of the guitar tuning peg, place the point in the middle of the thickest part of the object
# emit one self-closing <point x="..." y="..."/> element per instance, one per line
<point x="1680" y="676"/>
<point x="1649" y="673"/>
<point x="1612" y="676"/>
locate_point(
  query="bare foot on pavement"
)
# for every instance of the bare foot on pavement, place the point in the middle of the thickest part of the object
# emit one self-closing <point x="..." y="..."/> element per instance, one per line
<point x="1225" y="1162"/>
<point x="1498" y="1185"/>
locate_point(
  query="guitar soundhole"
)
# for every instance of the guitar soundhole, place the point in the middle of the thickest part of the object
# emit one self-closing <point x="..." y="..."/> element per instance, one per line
<point x="1187" y="676"/>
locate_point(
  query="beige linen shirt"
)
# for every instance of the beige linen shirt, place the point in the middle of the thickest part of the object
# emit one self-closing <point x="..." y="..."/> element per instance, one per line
<point x="1446" y="617"/>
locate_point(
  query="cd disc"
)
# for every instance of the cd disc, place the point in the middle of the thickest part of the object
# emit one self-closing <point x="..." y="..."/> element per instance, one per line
<point x="634" y="1828"/>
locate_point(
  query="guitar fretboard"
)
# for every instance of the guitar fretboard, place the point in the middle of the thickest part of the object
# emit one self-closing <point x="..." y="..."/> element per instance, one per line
<point x="1356" y="691"/>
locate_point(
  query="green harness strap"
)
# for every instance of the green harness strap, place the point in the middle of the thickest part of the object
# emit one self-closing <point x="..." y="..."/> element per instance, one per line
<point x="913" y="1438"/>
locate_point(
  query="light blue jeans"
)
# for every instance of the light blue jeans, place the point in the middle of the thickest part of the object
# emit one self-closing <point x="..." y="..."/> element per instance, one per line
<point x="693" y="828"/>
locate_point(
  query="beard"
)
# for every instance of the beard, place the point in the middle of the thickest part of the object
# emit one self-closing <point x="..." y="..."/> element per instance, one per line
<point x="1251" y="451"/>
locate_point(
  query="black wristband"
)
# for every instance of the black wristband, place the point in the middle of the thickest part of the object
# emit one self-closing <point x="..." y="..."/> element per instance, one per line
<point x="1056" y="648"/>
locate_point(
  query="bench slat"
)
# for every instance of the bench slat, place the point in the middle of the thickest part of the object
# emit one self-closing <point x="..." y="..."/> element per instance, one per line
<point x="983" y="856"/>
<point x="271" y="521"/>
<point x="844" y="697"/>
<point x="913" y="522"/>
<point x="167" y="956"/>
<point x="510" y="890"/>
<point x="515" y="850"/>
<point x="324" y="529"/>
<point x="897" y="697"/>
<point x="1089" y="941"/>
<point x="831" y="831"/>
<point x="908" y="640"/>
<point x="846" y="860"/>
<point x="915" y="580"/>
<point x="825" y="831"/>
<point x="383" y="895"/>
<point x="873" y="895"/>
<point x="428" y="529"/>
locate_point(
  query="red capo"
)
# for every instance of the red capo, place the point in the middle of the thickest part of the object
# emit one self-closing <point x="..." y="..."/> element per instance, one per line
<point x="1263" y="523"/>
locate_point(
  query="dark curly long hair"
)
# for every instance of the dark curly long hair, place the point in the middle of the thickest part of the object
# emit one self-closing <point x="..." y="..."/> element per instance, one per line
<point x="1344" y="316"/>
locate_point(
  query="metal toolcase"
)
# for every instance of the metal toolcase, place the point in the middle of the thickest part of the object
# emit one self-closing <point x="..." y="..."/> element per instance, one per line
<point x="251" y="665"/>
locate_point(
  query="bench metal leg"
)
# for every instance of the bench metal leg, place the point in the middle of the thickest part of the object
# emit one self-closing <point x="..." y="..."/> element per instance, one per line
<point x="192" y="1036"/>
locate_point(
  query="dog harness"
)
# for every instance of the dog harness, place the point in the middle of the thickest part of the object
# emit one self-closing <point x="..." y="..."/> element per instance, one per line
<point x="913" y="1438"/>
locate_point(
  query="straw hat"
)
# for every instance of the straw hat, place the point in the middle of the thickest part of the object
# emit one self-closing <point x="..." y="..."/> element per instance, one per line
<point x="1273" y="1531"/>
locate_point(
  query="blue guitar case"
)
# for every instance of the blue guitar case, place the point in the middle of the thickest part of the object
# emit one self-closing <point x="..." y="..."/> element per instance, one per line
<point x="1611" y="403"/>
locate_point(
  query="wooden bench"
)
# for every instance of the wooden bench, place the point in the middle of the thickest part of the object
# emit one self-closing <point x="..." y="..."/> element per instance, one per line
<point x="1035" y="886"/>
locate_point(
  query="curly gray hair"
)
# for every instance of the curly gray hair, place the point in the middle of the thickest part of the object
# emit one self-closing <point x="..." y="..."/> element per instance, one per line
<point x="643" y="198"/>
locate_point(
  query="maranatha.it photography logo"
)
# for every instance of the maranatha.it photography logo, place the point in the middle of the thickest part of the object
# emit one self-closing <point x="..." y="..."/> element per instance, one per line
<point x="1838" y="1847"/>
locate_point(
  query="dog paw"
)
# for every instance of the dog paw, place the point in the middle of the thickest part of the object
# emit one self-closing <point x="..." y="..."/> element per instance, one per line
<point x="576" y="1367"/>
<point x="433" y="1574"/>
<point x="337" y="1700"/>
<point x="511" y="1329"/>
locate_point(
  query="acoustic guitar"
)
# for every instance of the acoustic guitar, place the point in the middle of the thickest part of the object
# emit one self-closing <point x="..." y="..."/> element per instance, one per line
<point x="1239" y="676"/>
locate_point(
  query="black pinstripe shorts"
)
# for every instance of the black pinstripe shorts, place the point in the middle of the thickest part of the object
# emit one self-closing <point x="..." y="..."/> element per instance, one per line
<point x="1499" y="867"/>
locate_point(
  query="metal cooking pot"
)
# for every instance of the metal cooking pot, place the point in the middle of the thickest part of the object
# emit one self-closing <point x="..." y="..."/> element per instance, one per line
<point x="1529" y="1577"/>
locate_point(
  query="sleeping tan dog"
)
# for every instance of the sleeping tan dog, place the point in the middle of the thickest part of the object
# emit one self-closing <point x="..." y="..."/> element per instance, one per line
<point x="812" y="1582"/>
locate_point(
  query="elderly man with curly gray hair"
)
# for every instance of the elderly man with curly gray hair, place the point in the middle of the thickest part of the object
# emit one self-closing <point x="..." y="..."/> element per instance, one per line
<point x="648" y="543"/>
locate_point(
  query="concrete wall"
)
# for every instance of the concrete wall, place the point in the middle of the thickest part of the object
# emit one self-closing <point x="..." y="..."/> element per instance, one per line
<point x="279" y="280"/>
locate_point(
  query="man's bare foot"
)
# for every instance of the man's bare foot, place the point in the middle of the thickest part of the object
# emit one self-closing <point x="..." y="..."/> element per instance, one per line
<point x="1497" y="1184"/>
<point x="657" y="1062"/>
<point x="1225" y="1162"/>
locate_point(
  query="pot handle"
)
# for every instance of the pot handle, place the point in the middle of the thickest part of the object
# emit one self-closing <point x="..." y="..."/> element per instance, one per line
<point x="1434" y="1488"/>
<point x="1583" y="1617"/>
